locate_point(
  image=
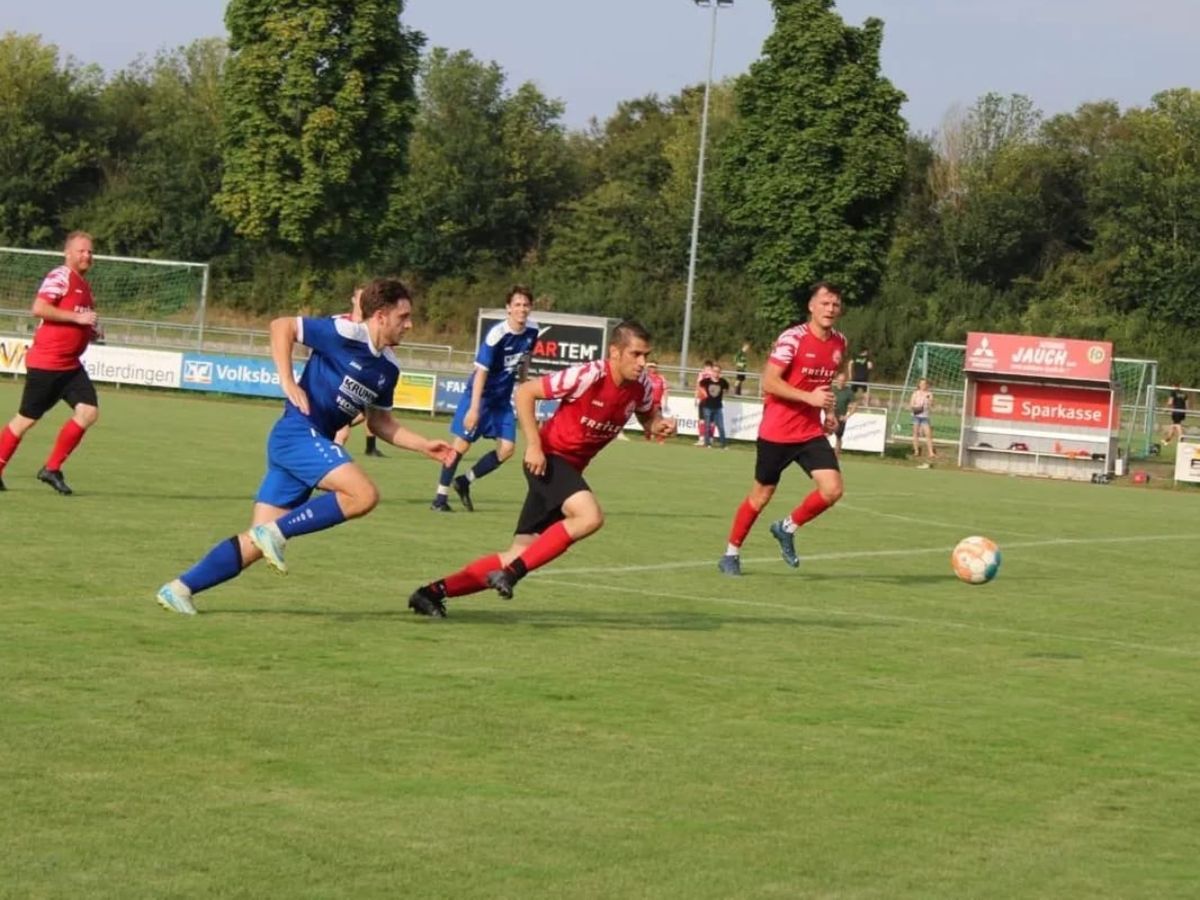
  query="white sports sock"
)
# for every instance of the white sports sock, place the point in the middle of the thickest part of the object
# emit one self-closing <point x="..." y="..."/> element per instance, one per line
<point x="731" y="550"/>
<point x="788" y="525"/>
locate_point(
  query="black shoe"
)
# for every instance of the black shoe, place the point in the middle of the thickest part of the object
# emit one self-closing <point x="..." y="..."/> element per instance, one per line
<point x="54" y="478"/>
<point x="462" y="487"/>
<point x="373" y="452"/>
<point x="424" y="603"/>
<point x="502" y="582"/>
<point x="440" y="506"/>
<point x="2" y="487"/>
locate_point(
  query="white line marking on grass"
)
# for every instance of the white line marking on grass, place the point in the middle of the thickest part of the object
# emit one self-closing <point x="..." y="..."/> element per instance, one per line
<point x="860" y="554"/>
<point x="936" y="524"/>
<point x="879" y="617"/>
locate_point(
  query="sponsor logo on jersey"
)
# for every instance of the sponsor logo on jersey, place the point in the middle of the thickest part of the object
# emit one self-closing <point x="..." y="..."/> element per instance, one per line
<point x="357" y="390"/>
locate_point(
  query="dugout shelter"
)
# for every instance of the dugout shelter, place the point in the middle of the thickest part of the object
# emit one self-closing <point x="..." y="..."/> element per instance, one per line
<point x="1039" y="406"/>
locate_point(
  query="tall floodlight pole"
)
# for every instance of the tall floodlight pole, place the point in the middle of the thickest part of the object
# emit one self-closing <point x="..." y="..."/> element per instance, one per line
<point x="691" y="276"/>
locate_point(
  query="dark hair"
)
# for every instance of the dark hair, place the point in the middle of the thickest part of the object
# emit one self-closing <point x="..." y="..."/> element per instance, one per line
<point x="824" y="285"/>
<point x="380" y="293"/>
<point x="626" y="332"/>
<point x="519" y="290"/>
<point x="709" y="362"/>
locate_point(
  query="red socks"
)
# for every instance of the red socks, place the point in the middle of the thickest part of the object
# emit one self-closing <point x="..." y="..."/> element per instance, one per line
<point x="68" y="439"/>
<point x="550" y="544"/>
<point x="8" y="446"/>
<point x="472" y="578"/>
<point x="743" y="521"/>
<point x="811" y="507"/>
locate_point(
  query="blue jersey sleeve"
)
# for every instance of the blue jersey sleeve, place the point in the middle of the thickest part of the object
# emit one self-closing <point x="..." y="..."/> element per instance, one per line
<point x="486" y="354"/>
<point x="320" y="334"/>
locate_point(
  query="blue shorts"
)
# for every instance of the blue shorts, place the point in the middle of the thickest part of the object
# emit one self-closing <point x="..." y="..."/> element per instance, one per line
<point x="494" y="422"/>
<point x="298" y="457"/>
<point x="920" y="420"/>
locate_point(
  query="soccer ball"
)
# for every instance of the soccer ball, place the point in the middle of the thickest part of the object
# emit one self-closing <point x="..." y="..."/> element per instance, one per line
<point x="975" y="560"/>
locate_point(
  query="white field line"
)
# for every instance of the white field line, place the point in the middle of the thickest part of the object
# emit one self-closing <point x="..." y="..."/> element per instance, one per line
<point x="879" y="617"/>
<point x="859" y="554"/>
<point x="933" y="522"/>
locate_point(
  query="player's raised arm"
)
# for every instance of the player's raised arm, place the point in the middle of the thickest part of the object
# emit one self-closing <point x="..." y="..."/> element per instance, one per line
<point x="383" y="425"/>
<point x="528" y="394"/>
<point x="285" y="332"/>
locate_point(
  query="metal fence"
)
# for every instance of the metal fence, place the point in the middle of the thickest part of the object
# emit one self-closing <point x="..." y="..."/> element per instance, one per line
<point x="216" y="339"/>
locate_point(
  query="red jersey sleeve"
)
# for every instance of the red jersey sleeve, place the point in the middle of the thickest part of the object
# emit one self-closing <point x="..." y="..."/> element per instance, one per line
<point x="570" y="384"/>
<point x="55" y="285"/>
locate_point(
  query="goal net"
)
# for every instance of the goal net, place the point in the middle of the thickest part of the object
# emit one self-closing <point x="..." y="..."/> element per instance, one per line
<point x="126" y="289"/>
<point x="942" y="365"/>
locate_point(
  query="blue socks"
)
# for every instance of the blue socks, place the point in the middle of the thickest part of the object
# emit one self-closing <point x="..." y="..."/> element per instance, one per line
<point x="315" y="515"/>
<point x="447" y="474"/>
<point x="223" y="562"/>
<point x="487" y="464"/>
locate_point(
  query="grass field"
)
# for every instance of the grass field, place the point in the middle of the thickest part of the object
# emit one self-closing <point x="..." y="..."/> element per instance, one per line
<point x="631" y="725"/>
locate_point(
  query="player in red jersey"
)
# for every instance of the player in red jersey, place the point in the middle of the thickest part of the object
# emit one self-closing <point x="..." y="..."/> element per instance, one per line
<point x="54" y="370"/>
<point x="597" y="399"/>
<point x="658" y="393"/>
<point x="797" y="417"/>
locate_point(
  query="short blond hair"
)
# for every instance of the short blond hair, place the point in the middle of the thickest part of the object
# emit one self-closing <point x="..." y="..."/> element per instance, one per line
<point x="76" y="234"/>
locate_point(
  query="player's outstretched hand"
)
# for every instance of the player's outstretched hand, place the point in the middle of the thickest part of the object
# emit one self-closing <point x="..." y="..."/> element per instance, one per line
<point x="663" y="428"/>
<point x="535" y="461"/>
<point x="441" y="451"/>
<point x="299" y="399"/>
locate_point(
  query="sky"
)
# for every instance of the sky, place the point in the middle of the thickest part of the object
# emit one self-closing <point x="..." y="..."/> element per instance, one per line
<point x="591" y="55"/>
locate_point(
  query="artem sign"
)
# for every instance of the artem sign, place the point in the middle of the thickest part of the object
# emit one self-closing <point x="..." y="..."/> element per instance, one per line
<point x="563" y="340"/>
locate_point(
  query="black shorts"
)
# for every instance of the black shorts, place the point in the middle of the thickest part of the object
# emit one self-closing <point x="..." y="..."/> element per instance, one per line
<point x="1178" y="417"/>
<point x="741" y="376"/>
<point x="841" y="428"/>
<point x="812" y="455"/>
<point x="859" y="387"/>
<point x="547" y="494"/>
<point x="45" y="387"/>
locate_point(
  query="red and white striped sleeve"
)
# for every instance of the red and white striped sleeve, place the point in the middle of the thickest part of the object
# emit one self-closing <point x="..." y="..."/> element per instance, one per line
<point x="570" y="384"/>
<point x="55" y="284"/>
<point x="647" y="401"/>
<point x="786" y="345"/>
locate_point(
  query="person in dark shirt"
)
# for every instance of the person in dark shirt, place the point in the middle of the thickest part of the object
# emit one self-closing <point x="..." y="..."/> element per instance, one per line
<point x="860" y="369"/>
<point x="844" y="405"/>
<point x="712" y="407"/>
<point x="1178" y="413"/>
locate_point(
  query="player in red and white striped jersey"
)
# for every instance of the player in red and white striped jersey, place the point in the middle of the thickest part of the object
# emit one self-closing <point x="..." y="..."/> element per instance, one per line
<point x="54" y="369"/>
<point x="597" y="400"/>
<point x="797" y="417"/>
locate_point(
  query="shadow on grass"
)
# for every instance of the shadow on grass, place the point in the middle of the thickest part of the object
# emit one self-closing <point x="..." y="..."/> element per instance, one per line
<point x="468" y="615"/>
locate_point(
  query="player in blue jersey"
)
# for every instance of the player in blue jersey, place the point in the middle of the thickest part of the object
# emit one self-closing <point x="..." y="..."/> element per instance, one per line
<point x="485" y="410"/>
<point x="352" y="371"/>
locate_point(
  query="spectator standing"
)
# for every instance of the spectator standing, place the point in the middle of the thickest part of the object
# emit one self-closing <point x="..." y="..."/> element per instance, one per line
<point x="741" y="361"/>
<point x="712" y="407"/>
<point x="861" y="367"/>
<point x="1178" y="413"/>
<point x="921" y="406"/>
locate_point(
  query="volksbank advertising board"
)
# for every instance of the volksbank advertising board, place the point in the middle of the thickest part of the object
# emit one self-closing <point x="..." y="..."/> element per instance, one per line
<point x="245" y="375"/>
<point x="564" y="340"/>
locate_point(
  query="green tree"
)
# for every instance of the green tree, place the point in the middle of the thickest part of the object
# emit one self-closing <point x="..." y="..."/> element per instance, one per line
<point x="318" y="104"/>
<point x="1146" y="202"/>
<point x="162" y="157"/>
<point x="815" y="165"/>
<point x="48" y="147"/>
<point x="486" y="170"/>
